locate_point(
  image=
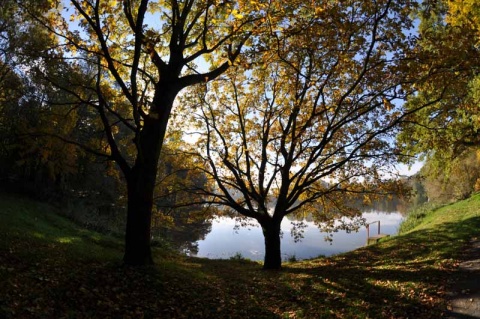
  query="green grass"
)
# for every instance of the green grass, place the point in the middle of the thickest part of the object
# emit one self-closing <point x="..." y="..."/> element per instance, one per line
<point x="39" y="225"/>
<point x="51" y="268"/>
<point x="416" y="215"/>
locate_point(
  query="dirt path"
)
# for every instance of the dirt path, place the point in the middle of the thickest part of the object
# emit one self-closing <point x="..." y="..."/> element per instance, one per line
<point x="465" y="291"/>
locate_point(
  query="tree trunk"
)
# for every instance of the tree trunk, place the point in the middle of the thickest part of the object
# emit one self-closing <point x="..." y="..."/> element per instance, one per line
<point x="142" y="178"/>
<point x="141" y="182"/>
<point x="273" y="257"/>
<point x="139" y="216"/>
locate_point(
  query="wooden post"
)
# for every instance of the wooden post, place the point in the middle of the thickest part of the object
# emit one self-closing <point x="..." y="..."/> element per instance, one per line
<point x="377" y="237"/>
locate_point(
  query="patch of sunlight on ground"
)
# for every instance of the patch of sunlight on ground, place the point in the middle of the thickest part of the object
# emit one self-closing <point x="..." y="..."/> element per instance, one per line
<point x="67" y="240"/>
<point x="38" y="235"/>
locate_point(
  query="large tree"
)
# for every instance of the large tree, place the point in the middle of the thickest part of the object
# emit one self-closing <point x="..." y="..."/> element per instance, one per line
<point x="313" y="123"/>
<point x="136" y="56"/>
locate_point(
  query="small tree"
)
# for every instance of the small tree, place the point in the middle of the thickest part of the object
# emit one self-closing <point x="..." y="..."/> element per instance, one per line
<point x="314" y="124"/>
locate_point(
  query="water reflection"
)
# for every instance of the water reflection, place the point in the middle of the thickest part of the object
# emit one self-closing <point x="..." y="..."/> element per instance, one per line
<point x="224" y="241"/>
<point x="184" y="233"/>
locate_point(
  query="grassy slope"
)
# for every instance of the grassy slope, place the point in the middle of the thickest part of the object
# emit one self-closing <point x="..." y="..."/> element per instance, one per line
<point x="51" y="268"/>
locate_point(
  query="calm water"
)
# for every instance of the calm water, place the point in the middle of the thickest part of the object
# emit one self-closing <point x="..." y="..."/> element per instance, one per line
<point x="224" y="241"/>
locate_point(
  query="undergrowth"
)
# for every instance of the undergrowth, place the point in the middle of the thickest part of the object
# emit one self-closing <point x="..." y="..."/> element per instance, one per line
<point x="416" y="215"/>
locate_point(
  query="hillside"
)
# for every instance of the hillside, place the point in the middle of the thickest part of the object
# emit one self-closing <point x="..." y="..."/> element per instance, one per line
<point x="51" y="268"/>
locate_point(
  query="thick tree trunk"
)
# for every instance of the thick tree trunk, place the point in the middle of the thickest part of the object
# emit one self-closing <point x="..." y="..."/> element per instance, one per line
<point x="141" y="179"/>
<point x="273" y="257"/>
<point x="141" y="187"/>
<point x="139" y="216"/>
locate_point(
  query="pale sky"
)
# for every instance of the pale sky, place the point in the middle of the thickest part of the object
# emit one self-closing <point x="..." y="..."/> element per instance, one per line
<point x="409" y="171"/>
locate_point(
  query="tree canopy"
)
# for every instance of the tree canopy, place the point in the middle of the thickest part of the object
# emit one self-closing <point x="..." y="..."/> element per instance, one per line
<point x="448" y="56"/>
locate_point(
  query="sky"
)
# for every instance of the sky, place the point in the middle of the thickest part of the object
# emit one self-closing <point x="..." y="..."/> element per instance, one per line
<point x="409" y="170"/>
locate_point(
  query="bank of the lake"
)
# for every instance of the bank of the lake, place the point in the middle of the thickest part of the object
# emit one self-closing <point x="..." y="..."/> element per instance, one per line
<point x="51" y="268"/>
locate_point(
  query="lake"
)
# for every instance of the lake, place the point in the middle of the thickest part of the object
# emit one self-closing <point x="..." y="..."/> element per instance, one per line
<point x="224" y="241"/>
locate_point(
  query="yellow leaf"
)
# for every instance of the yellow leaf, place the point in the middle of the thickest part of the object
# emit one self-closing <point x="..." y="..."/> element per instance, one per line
<point x="387" y="104"/>
<point x="236" y="14"/>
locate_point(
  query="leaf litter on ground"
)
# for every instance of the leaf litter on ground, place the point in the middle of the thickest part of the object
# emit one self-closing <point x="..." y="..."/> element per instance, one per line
<point x="403" y="277"/>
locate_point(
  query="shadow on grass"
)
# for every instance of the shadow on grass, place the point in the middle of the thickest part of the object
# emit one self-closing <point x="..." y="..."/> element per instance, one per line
<point x="405" y="276"/>
<point x="402" y="277"/>
<point x="46" y="284"/>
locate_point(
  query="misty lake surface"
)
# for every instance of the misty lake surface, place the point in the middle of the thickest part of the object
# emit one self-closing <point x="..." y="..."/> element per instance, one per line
<point x="224" y="241"/>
